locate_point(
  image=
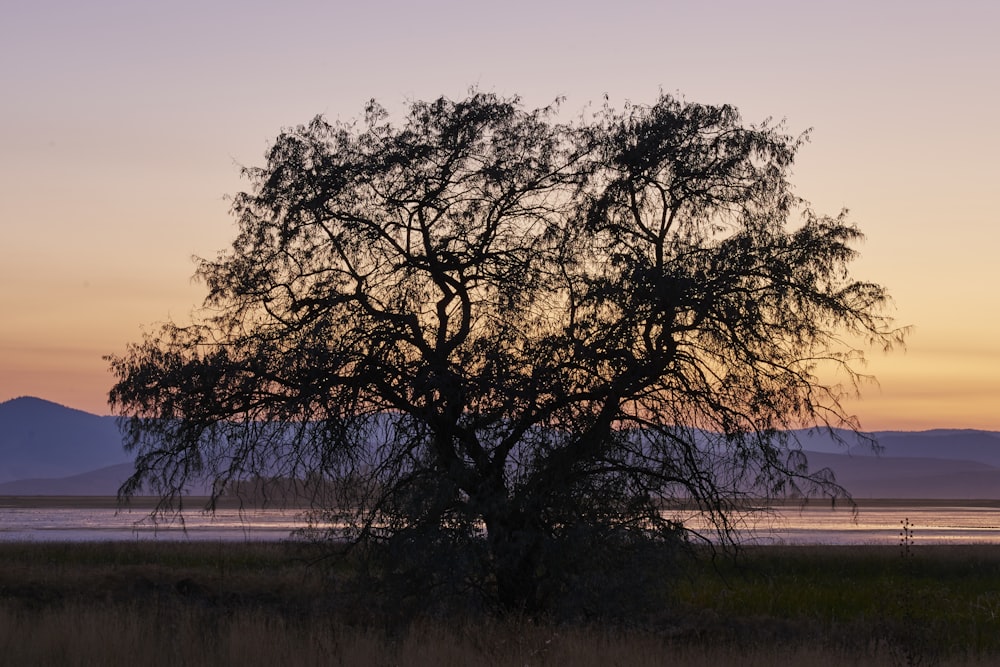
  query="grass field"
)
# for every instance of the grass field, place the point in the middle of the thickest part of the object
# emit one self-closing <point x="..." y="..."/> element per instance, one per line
<point x="149" y="603"/>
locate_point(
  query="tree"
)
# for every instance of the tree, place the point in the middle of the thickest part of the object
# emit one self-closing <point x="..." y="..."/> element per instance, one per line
<point x="508" y="341"/>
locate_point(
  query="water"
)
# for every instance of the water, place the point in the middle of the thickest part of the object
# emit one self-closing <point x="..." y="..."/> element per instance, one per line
<point x="106" y="523"/>
<point x="928" y="523"/>
<point x="876" y="524"/>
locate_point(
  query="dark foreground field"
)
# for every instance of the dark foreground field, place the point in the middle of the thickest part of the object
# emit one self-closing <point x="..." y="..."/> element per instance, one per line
<point x="266" y="603"/>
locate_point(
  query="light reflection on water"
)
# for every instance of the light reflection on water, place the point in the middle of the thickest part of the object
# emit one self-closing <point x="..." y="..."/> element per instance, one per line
<point x="953" y="524"/>
<point x="930" y="524"/>
<point x="85" y="524"/>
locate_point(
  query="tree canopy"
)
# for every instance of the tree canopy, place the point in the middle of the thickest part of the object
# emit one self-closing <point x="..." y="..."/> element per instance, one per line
<point x="506" y="339"/>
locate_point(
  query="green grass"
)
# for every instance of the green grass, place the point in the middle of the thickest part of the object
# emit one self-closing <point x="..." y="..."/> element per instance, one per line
<point x="268" y="603"/>
<point x="930" y="601"/>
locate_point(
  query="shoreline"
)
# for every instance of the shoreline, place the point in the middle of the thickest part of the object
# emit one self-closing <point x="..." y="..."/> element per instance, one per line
<point x="230" y="502"/>
<point x="198" y="503"/>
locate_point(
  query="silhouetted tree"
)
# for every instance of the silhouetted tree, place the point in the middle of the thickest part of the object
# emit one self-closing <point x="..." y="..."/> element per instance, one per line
<point x="511" y="340"/>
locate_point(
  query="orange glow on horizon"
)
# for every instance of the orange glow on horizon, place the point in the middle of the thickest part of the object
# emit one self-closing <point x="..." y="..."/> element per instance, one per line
<point x="121" y="142"/>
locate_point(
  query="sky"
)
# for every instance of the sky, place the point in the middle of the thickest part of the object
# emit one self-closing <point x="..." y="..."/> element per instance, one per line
<point x="123" y="126"/>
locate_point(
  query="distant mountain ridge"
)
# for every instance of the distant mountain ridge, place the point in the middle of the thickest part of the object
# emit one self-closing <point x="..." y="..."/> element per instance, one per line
<point x="50" y="449"/>
<point x="41" y="439"/>
<point x="981" y="446"/>
<point x="869" y="476"/>
<point x="100" y="482"/>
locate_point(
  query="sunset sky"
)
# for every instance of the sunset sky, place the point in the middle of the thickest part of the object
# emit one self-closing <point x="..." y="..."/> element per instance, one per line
<point x="123" y="126"/>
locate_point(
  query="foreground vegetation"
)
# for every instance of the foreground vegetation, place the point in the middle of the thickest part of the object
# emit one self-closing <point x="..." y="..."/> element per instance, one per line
<point x="266" y="603"/>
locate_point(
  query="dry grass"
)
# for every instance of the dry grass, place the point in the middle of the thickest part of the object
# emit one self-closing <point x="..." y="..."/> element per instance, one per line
<point x="126" y="636"/>
<point x="265" y="604"/>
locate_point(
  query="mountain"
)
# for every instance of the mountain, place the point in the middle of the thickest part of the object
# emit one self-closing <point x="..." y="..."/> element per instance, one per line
<point x="887" y="476"/>
<point x="100" y="482"/>
<point x="942" y="463"/>
<point x="936" y="444"/>
<point x="981" y="446"/>
<point x="49" y="449"/>
<point x="40" y="439"/>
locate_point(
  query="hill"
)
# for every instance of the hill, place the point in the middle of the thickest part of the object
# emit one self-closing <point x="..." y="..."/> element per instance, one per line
<point x="49" y="449"/>
<point x="910" y="477"/>
<point x="100" y="482"/>
<point x="40" y="439"/>
<point x="983" y="446"/>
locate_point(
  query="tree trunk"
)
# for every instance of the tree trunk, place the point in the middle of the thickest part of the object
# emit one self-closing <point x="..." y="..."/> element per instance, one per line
<point x="516" y="549"/>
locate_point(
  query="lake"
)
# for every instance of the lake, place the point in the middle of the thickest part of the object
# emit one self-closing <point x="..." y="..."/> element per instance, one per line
<point x="96" y="523"/>
<point x="932" y="522"/>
